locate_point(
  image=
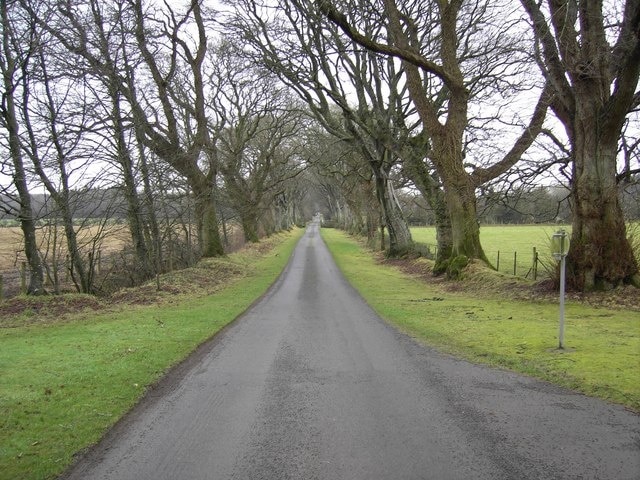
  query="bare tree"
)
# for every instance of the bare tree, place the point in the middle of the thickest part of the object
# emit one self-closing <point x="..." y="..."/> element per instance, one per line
<point x="53" y="137"/>
<point x="187" y="148"/>
<point x="589" y="52"/>
<point x="83" y="32"/>
<point x="19" y="45"/>
<point x="354" y="94"/>
<point x="256" y="137"/>
<point x="452" y="53"/>
<point x="149" y="60"/>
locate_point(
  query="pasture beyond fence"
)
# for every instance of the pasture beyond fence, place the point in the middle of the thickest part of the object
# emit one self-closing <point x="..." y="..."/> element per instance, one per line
<point x="521" y="250"/>
<point x="513" y="263"/>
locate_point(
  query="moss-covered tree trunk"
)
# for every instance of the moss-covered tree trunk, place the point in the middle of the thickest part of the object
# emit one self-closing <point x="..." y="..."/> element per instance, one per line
<point x="600" y="255"/>
<point x="428" y="184"/>
<point x="594" y="76"/>
<point x="459" y="192"/>
<point x="249" y="221"/>
<point x="207" y="219"/>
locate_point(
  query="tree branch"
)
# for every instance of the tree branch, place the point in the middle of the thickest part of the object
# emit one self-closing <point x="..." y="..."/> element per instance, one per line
<point x="414" y="58"/>
<point x="483" y="175"/>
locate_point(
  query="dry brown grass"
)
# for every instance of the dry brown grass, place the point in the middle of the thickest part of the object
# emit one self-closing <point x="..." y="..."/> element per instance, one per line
<point x="114" y="239"/>
<point x="107" y="240"/>
<point x="10" y="247"/>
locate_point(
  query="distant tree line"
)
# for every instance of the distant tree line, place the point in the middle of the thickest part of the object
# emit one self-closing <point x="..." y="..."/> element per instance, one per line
<point x="183" y="118"/>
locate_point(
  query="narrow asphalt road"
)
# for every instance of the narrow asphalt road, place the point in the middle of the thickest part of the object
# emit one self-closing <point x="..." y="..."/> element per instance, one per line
<point x="311" y="384"/>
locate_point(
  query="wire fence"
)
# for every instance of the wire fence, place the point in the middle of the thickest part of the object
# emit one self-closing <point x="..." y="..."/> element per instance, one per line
<point x="527" y="264"/>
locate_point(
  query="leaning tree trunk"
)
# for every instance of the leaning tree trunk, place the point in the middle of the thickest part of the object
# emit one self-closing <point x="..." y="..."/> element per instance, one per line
<point x="400" y="241"/>
<point x="600" y="255"/>
<point x="134" y="208"/>
<point x="77" y="266"/>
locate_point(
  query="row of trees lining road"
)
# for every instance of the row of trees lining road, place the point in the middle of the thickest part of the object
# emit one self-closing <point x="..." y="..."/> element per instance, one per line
<point x="453" y="56"/>
<point x="264" y="111"/>
<point x="590" y="62"/>
<point x="118" y="93"/>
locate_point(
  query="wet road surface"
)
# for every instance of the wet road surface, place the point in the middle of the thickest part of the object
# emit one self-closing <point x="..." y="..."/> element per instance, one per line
<point x="311" y="384"/>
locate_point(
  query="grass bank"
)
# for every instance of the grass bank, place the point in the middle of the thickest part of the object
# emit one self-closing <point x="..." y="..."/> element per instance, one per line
<point x="65" y="380"/>
<point x="602" y="357"/>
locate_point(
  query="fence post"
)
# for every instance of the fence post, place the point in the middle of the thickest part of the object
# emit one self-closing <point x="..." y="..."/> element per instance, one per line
<point x="23" y="278"/>
<point x="498" y="262"/>
<point x="1" y="288"/>
<point x="92" y="265"/>
<point x="515" y="263"/>
<point x="535" y="263"/>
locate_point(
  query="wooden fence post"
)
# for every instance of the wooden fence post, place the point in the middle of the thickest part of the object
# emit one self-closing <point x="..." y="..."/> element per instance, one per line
<point x="535" y="263"/>
<point x="498" y="262"/>
<point x="515" y="263"/>
<point x="23" y="278"/>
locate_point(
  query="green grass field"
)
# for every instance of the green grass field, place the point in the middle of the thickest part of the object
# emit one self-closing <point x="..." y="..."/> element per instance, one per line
<point x="64" y="383"/>
<point x="602" y="357"/>
<point x="509" y="243"/>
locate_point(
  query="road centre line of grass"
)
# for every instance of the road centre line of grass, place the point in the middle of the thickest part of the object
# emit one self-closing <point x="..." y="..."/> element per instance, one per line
<point x="603" y="354"/>
<point x="63" y="385"/>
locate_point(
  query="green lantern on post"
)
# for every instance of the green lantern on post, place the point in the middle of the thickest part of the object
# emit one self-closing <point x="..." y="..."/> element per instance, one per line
<point x="560" y="244"/>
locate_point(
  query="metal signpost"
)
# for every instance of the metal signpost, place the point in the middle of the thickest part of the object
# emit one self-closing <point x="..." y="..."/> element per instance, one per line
<point x="559" y="249"/>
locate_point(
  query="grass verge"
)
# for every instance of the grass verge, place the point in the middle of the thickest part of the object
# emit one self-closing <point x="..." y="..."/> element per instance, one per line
<point x="64" y="382"/>
<point x="602" y="357"/>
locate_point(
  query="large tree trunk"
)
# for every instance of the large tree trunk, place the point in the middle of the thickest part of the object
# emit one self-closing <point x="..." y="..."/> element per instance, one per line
<point x="465" y="230"/>
<point x="207" y="220"/>
<point x="459" y="194"/>
<point x="249" y="220"/>
<point x="428" y="185"/>
<point x="594" y="76"/>
<point x="600" y="254"/>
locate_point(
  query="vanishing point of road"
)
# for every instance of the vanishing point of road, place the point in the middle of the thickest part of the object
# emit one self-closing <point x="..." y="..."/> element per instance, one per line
<point x="311" y="384"/>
